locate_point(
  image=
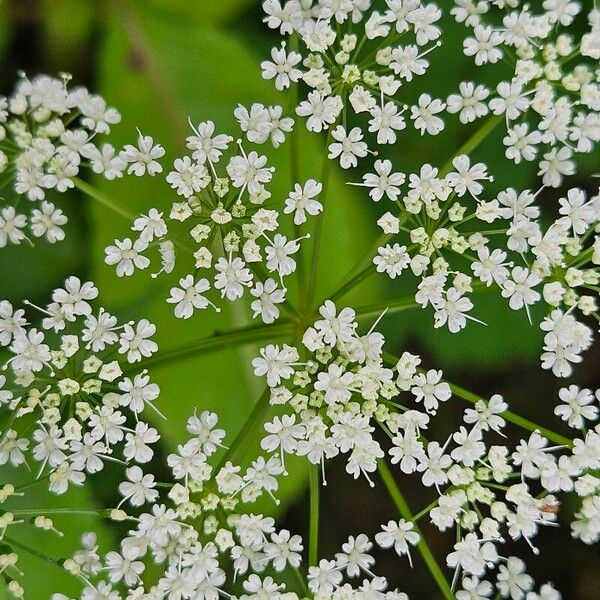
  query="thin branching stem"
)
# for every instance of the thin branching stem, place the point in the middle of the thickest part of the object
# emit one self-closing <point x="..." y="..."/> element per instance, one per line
<point x="405" y="513"/>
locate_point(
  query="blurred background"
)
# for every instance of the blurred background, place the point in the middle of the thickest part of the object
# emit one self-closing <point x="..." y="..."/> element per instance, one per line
<point x="160" y="61"/>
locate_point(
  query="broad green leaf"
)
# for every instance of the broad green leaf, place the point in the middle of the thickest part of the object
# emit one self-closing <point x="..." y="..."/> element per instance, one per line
<point x="201" y="12"/>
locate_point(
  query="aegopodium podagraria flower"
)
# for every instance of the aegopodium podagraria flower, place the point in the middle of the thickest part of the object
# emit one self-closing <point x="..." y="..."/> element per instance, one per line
<point x="350" y="59"/>
<point x="335" y="397"/>
<point x="49" y="135"/>
<point x="438" y="232"/>
<point x="226" y="228"/>
<point x="335" y="400"/>
<point x="550" y="98"/>
<point x="70" y="406"/>
<point x="194" y="529"/>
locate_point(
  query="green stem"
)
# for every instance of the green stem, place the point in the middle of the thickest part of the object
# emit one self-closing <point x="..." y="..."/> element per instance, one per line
<point x="404" y="510"/>
<point x="231" y="339"/>
<point x="250" y="427"/>
<point x="353" y="282"/>
<point x="302" y="582"/>
<point x="294" y="162"/>
<point x="325" y="178"/>
<point x="480" y="134"/>
<point x="392" y="306"/>
<point x="313" y="539"/>
<point x="425" y="511"/>
<point x="101" y="197"/>
<point x="33" y="551"/>
<point x="60" y="511"/>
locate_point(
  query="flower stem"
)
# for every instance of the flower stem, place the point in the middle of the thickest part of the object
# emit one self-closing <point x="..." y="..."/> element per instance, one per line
<point x="325" y="179"/>
<point x="218" y="341"/>
<point x="250" y="427"/>
<point x="294" y="161"/>
<point x="313" y="539"/>
<point x="60" y="511"/>
<point x="101" y="197"/>
<point x="302" y="582"/>
<point x="404" y="510"/>
<point x="33" y="551"/>
<point x="353" y="282"/>
<point x="478" y="136"/>
<point x="392" y="306"/>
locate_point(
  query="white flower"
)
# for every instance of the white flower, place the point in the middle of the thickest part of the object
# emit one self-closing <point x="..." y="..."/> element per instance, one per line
<point x="321" y="110"/>
<point x="385" y="121"/>
<point x="283" y="68"/>
<point x="578" y="214"/>
<point x="383" y="181"/>
<point x="206" y="145"/>
<point x="399" y="534"/>
<point x="521" y="143"/>
<point x="189" y="296"/>
<point x="11" y="224"/>
<point x="125" y="254"/>
<point x="512" y="579"/>
<point x="136" y="343"/>
<point x="275" y="363"/>
<point x="577" y="406"/>
<point x="484" y="46"/>
<point x="48" y="222"/>
<point x="469" y="102"/>
<point x="267" y="295"/>
<point x="510" y="100"/>
<point x="188" y="177"/>
<point x="391" y="259"/>
<point x="429" y="388"/>
<point x="302" y="200"/>
<point x="348" y="146"/>
<point x="143" y="159"/>
<point x="249" y="172"/>
<point x="150" y="226"/>
<point x="519" y="288"/>
<point x="423" y="114"/>
<point x="451" y="309"/>
<point x="279" y="253"/>
<point x="255" y="123"/>
<point x="232" y="276"/>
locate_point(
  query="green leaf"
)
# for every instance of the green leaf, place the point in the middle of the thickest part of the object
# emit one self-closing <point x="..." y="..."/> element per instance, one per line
<point x="201" y="12"/>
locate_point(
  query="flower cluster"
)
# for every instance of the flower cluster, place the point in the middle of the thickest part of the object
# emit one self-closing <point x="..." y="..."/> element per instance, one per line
<point x="326" y="580"/>
<point x="349" y="387"/>
<point x="232" y="235"/>
<point x="192" y="530"/>
<point x="337" y="396"/>
<point x="353" y="60"/>
<point x="73" y="395"/>
<point x="48" y="135"/>
<point x="70" y="405"/>
<point x="550" y="99"/>
<point x="432" y="235"/>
